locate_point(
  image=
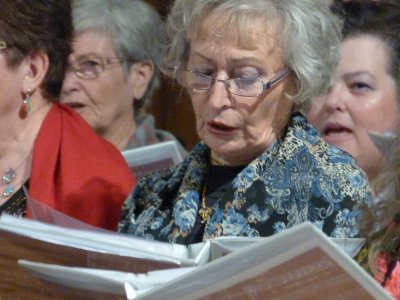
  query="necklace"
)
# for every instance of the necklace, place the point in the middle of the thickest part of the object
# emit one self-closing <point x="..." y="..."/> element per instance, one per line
<point x="204" y="211"/>
<point x="9" y="176"/>
<point x="216" y="161"/>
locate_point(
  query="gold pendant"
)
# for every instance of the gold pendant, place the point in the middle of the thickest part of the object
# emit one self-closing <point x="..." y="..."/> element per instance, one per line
<point x="204" y="213"/>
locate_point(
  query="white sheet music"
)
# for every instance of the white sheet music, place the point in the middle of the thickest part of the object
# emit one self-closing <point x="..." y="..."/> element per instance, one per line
<point x="150" y="158"/>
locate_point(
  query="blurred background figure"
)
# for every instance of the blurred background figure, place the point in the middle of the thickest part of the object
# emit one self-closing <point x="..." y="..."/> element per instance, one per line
<point x="114" y="70"/>
<point x="44" y="145"/>
<point x="260" y="167"/>
<point x="364" y="94"/>
<point x="380" y="223"/>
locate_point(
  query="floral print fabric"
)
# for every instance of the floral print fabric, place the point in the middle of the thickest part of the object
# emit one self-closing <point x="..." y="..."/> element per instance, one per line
<point x="298" y="178"/>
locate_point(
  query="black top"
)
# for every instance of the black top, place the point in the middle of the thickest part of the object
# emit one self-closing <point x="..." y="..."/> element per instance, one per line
<point x="217" y="181"/>
<point x="16" y="204"/>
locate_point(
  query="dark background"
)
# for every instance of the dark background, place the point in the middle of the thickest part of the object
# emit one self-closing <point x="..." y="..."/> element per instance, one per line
<point x="170" y="106"/>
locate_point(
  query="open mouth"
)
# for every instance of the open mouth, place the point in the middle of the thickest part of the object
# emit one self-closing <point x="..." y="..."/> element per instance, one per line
<point x="75" y="105"/>
<point x="338" y="130"/>
<point x="336" y="134"/>
<point x="220" y="127"/>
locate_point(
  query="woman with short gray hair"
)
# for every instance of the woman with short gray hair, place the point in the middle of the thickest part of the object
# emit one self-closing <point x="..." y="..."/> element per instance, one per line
<point x="249" y="66"/>
<point x="114" y="69"/>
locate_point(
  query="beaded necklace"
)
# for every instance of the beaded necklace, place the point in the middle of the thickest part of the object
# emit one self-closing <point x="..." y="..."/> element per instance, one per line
<point x="9" y="176"/>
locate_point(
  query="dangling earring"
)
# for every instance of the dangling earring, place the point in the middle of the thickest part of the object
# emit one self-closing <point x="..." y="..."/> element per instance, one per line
<point x="27" y="104"/>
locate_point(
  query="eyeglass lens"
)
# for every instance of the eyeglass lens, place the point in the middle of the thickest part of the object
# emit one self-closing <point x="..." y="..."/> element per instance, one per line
<point x="91" y="67"/>
<point x="246" y="87"/>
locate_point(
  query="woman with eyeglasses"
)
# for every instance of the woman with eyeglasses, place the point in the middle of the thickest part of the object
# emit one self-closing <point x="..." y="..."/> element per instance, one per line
<point x="249" y="67"/>
<point x="114" y="70"/>
<point x="45" y="146"/>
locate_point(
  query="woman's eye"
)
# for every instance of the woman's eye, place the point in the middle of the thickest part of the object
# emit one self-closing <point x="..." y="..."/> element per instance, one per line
<point x="245" y="72"/>
<point x="247" y="75"/>
<point x="360" y="86"/>
<point x="89" y="64"/>
<point x="200" y="76"/>
<point x="203" y="72"/>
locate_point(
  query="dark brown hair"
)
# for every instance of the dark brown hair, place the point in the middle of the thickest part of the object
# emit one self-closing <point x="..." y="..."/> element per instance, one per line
<point x="32" y="26"/>
<point x="380" y="19"/>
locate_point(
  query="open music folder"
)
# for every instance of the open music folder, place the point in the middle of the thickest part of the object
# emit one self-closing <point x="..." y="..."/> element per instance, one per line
<point x="298" y="263"/>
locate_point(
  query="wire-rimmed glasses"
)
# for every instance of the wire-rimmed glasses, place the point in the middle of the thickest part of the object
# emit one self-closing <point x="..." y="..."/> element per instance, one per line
<point x="89" y="67"/>
<point x="199" y="83"/>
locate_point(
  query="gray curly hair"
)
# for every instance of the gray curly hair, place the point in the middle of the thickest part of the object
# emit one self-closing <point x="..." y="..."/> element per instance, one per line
<point x="133" y="27"/>
<point x="309" y="32"/>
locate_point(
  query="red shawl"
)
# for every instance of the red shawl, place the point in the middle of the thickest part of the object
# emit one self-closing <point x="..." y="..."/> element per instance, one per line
<point x="77" y="172"/>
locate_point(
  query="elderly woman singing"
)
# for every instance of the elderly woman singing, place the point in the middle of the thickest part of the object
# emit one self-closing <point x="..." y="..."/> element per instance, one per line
<point x="250" y="67"/>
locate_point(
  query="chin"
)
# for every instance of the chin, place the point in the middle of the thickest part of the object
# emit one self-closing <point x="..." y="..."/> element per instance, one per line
<point x="218" y="145"/>
<point x="92" y="123"/>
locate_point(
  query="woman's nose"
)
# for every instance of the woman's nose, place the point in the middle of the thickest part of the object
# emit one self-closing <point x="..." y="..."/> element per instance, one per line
<point x="219" y="95"/>
<point x="70" y="82"/>
<point x="335" y="97"/>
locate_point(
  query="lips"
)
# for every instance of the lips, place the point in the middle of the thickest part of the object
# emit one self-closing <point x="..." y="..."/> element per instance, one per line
<point x="75" y="105"/>
<point x="334" y="133"/>
<point x="338" y="130"/>
<point x="220" y="127"/>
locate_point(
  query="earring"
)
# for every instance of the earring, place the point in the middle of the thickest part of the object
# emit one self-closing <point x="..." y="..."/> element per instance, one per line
<point x="27" y="104"/>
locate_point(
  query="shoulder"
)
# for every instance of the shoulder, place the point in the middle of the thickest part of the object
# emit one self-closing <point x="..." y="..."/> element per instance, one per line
<point x="302" y="137"/>
<point x="170" y="179"/>
<point x="81" y="148"/>
<point x="303" y="148"/>
<point x="147" y="134"/>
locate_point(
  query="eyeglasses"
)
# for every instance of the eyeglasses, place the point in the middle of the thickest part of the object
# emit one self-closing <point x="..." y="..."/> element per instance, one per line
<point x="89" y="67"/>
<point x="199" y="83"/>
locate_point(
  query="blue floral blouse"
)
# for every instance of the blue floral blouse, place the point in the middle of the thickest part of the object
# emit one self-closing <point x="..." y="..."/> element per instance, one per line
<point x="298" y="178"/>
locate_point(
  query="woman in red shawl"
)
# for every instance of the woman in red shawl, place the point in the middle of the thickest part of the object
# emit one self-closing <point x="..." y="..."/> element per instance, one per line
<point x="43" y="145"/>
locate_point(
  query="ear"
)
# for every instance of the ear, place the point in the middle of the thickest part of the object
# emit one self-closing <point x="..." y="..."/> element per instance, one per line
<point x="36" y="67"/>
<point x="141" y="74"/>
